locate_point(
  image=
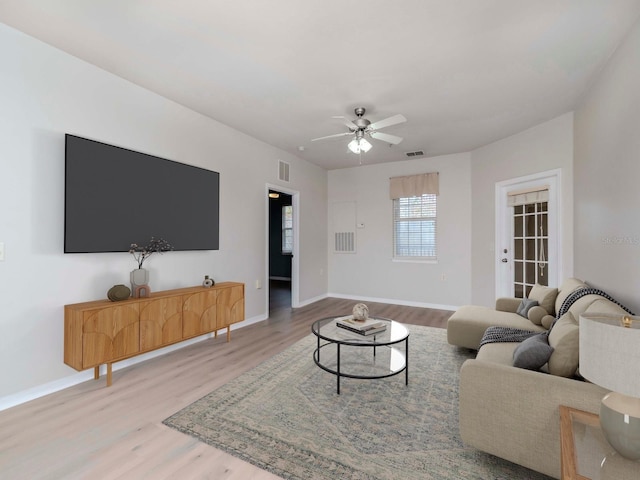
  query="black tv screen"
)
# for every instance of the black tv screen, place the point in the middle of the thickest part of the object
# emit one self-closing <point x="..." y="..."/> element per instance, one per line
<point x="115" y="197"/>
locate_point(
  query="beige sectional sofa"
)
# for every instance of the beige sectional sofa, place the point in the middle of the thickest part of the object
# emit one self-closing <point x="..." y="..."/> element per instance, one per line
<point x="511" y="412"/>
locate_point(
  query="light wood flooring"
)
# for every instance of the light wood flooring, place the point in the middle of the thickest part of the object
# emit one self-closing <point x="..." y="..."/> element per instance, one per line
<point x="92" y="432"/>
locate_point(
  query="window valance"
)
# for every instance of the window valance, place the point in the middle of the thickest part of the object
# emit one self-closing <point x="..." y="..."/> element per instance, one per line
<point x="414" y="185"/>
<point x="527" y="196"/>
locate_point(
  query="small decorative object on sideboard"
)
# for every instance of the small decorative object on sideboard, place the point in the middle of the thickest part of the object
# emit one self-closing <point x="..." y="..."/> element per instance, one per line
<point x="118" y="293"/>
<point x="140" y="277"/>
<point x="360" y="312"/>
<point x="208" y="282"/>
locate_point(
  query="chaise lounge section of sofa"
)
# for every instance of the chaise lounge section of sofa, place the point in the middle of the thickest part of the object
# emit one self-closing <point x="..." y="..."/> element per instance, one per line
<point x="513" y="413"/>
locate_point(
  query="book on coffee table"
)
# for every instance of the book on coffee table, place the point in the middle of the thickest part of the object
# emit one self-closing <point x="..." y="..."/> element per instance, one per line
<point x="366" y="327"/>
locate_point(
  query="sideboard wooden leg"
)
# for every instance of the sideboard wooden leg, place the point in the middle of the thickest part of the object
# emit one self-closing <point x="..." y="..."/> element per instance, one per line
<point x="229" y="333"/>
<point x="96" y="372"/>
<point x="109" y="375"/>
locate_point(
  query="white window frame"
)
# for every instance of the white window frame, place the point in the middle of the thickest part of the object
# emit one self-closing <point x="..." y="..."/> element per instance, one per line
<point x="427" y="212"/>
<point x="287" y="230"/>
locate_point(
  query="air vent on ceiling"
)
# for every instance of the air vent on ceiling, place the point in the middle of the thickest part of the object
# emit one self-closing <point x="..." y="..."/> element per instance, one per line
<point x="283" y="171"/>
<point x="417" y="153"/>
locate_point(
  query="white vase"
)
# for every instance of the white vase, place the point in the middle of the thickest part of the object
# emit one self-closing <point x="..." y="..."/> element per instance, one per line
<point x="140" y="282"/>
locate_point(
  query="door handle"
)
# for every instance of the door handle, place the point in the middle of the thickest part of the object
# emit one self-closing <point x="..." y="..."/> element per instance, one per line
<point x="504" y="260"/>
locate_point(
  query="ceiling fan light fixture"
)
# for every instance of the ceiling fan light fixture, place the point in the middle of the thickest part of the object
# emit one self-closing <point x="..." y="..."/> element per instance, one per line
<point x="359" y="145"/>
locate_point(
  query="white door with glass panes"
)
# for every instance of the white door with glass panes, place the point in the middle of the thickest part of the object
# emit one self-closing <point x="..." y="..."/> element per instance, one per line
<point x="526" y="234"/>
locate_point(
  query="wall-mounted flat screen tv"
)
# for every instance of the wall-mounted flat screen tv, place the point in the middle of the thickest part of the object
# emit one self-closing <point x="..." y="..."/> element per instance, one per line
<point x="115" y="197"/>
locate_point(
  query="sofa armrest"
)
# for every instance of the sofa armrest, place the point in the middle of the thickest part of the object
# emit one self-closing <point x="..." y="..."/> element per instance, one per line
<point x="513" y="413"/>
<point x="507" y="304"/>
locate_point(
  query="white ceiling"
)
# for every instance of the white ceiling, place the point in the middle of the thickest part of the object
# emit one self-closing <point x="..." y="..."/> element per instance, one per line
<point x="463" y="72"/>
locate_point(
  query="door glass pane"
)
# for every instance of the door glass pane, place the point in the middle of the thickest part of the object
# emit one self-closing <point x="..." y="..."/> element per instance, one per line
<point x="530" y="222"/>
<point x="530" y="273"/>
<point x="518" y="246"/>
<point x="517" y="226"/>
<point x="530" y="246"/>
<point x="519" y="290"/>
<point x="542" y="275"/>
<point x="517" y="270"/>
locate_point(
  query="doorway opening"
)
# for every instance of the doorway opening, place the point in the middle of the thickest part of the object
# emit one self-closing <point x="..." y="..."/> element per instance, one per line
<point x="280" y="250"/>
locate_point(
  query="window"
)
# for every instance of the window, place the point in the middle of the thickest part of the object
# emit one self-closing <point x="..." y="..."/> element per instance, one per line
<point x="414" y="227"/>
<point x="287" y="229"/>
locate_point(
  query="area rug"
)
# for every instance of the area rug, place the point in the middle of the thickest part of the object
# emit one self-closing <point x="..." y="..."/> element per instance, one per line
<point x="285" y="416"/>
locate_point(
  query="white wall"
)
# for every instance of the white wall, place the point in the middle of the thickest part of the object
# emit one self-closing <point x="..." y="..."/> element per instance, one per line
<point x="547" y="146"/>
<point x="45" y="93"/>
<point x="607" y="174"/>
<point x="370" y="272"/>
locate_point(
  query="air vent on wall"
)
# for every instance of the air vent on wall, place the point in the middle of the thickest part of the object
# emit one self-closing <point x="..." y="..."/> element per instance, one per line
<point x="343" y="225"/>
<point x="345" y="242"/>
<point x="283" y="171"/>
<point x="417" y="153"/>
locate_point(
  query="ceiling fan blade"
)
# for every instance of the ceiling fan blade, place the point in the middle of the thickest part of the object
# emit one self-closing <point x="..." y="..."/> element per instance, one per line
<point x="387" y="122"/>
<point x="332" y="136"/>
<point x="349" y="123"/>
<point x="385" y="137"/>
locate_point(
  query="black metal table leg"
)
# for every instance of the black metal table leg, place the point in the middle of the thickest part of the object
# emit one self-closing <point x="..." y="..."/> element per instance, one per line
<point x="338" y="370"/>
<point x="406" y="361"/>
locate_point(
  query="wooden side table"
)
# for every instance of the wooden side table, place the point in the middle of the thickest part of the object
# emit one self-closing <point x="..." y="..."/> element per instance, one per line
<point x="586" y="454"/>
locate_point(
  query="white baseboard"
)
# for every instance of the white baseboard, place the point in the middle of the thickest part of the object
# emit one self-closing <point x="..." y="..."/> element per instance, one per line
<point x="24" y="396"/>
<point x="66" y="382"/>
<point x="311" y="300"/>
<point x="394" y="301"/>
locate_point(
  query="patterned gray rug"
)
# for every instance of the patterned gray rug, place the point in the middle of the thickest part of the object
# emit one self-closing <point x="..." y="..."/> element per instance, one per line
<point x="285" y="417"/>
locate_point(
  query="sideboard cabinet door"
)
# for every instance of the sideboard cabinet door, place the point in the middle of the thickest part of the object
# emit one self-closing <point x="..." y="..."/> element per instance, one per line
<point x="230" y="306"/>
<point x="199" y="313"/>
<point x="109" y="334"/>
<point x="160" y="322"/>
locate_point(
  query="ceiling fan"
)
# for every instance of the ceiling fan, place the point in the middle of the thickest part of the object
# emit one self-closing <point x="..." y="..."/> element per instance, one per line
<point x="361" y="128"/>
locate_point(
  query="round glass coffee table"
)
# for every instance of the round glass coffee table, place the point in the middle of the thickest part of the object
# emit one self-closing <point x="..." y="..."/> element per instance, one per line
<point x="353" y="355"/>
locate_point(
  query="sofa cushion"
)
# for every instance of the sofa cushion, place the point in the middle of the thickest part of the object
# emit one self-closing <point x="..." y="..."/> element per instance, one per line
<point x="524" y="307"/>
<point x="467" y="325"/>
<point x="564" y="338"/>
<point x="604" y="306"/>
<point x="533" y="352"/>
<point x="568" y="287"/>
<point x="545" y="296"/>
<point x="499" y="352"/>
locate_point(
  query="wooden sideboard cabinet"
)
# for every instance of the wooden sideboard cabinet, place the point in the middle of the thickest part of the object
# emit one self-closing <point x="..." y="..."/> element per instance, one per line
<point x="103" y="332"/>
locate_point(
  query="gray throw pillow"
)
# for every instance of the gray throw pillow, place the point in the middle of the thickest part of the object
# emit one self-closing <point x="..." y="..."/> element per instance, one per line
<point x="525" y="305"/>
<point x="533" y="352"/>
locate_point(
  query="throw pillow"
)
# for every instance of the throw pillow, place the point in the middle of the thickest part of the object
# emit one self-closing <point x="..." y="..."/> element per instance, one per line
<point x="536" y="314"/>
<point x="545" y="296"/>
<point x="533" y="352"/>
<point x="525" y="305"/>
<point x="564" y="338"/>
